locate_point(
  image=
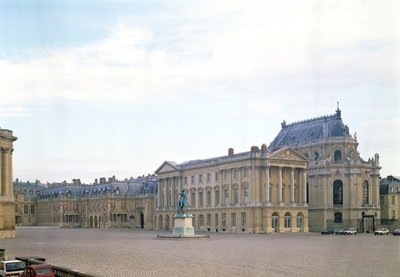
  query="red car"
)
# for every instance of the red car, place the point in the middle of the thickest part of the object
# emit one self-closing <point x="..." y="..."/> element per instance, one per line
<point x="38" y="270"/>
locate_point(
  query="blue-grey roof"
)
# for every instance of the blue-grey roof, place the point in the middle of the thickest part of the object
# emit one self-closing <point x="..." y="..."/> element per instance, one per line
<point x="306" y="131"/>
<point x="390" y="184"/>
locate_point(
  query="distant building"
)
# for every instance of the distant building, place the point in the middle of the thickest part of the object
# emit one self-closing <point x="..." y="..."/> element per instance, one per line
<point x="390" y="200"/>
<point x="250" y="192"/>
<point x="123" y="204"/>
<point x="342" y="188"/>
<point x="7" y="201"/>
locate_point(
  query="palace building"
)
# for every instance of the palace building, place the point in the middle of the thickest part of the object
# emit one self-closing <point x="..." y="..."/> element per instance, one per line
<point x="7" y="201"/>
<point x="342" y="188"/>
<point x="251" y="192"/>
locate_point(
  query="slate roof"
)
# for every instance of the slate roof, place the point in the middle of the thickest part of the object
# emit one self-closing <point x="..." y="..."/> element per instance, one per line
<point x="391" y="183"/>
<point x="309" y="130"/>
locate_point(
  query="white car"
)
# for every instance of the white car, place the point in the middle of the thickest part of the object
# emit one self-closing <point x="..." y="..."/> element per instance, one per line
<point x="11" y="268"/>
<point x="382" y="231"/>
<point x="350" y="231"/>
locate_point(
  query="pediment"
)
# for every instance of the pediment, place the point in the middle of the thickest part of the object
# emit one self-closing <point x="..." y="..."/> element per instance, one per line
<point x="166" y="167"/>
<point x="286" y="154"/>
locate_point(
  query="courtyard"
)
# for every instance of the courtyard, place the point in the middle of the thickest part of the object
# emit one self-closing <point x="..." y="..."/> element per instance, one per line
<point x="135" y="252"/>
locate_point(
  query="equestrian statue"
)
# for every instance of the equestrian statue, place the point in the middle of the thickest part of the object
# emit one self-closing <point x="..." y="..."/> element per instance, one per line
<point x="183" y="203"/>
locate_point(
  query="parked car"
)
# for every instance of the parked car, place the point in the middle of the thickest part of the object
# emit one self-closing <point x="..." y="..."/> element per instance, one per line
<point x="350" y="231"/>
<point x="382" y="231"/>
<point x="327" y="231"/>
<point x="11" y="268"/>
<point x="340" y="232"/>
<point x="396" y="232"/>
<point x="38" y="270"/>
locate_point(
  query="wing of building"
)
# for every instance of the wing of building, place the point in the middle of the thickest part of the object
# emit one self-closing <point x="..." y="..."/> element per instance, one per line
<point x="343" y="189"/>
<point x="252" y="192"/>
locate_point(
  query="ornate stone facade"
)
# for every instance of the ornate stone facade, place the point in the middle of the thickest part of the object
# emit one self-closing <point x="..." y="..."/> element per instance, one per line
<point x="251" y="192"/>
<point x="7" y="203"/>
<point x="343" y="189"/>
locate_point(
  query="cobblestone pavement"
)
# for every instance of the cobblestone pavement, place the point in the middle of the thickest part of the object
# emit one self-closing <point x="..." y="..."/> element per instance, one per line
<point x="131" y="252"/>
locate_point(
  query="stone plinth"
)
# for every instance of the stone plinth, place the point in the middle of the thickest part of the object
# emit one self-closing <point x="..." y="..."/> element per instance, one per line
<point x="183" y="225"/>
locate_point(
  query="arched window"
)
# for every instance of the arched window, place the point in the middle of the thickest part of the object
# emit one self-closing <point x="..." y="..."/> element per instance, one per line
<point x="235" y="196"/>
<point x="300" y="220"/>
<point x="287" y="220"/>
<point x="337" y="156"/>
<point x="365" y="193"/>
<point x="275" y="220"/>
<point x="338" y="217"/>
<point x="338" y="193"/>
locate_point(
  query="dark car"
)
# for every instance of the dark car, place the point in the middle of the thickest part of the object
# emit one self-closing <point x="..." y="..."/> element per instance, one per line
<point x="38" y="270"/>
<point x="396" y="232"/>
<point x="327" y="231"/>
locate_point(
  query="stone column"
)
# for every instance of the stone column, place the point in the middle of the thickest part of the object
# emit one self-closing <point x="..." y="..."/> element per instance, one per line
<point x="280" y="191"/>
<point x="10" y="178"/>
<point x="5" y="171"/>
<point x="292" y="202"/>
<point x="159" y="193"/>
<point x="165" y="193"/>
<point x="304" y="181"/>
<point x="267" y="200"/>
<point x="172" y="187"/>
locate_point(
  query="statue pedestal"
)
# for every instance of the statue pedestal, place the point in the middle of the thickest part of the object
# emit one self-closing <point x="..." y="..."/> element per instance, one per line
<point x="183" y="225"/>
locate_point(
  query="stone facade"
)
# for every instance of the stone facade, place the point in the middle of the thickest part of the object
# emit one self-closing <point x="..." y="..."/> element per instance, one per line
<point x="7" y="203"/>
<point x="251" y="192"/>
<point x="343" y="188"/>
<point x="121" y="204"/>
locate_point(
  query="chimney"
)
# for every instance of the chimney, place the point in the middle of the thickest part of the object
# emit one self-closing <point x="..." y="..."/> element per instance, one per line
<point x="254" y="149"/>
<point x="230" y="152"/>
<point x="264" y="148"/>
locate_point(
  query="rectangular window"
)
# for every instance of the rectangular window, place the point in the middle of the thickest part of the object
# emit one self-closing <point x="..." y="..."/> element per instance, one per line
<point x="208" y="219"/>
<point x="223" y="219"/>
<point x="246" y="195"/>
<point x="193" y="180"/>
<point x="226" y="174"/>
<point x="233" y="219"/>
<point x="216" y="219"/>
<point x="235" y="174"/>
<point x="200" y="179"/>
<point x="200" y="199"/>
<point x="216" y="176"/>
<point x="393" y="214"/>
<point x="245" y="173"/>
<point x="185" y="180"/>
<point x="208" y="178"/>
<point x="32" y="209"/>
<point x="209" y="198"/>
<point x="244" y="219"/>
<point x="393" y="200"/>
<point x="25" y="209"/>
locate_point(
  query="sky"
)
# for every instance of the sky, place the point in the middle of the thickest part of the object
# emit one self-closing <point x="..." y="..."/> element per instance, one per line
<point x="98" y="88"/>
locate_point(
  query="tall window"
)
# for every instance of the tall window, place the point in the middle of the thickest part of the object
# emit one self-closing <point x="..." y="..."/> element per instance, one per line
<point x="209" y="198"/>
<point x="216" y="219"/>
<point x="216" y="176"/>
<point x="365" y="193"/>
<point x="233" y="219"/>
<point x="287" y="220"/>
<point x="337" y="156"/>
<point x="217" y="198"/>
<point x="244" y="219"/>
<point x="223" y="219"/>
<point x="300" y="220"/>
<point x="208" y="219"/>
<point x="338" y="193"/>
<point x="226" y="196"/>
<point x="275" y="220"/>
<point x="200" y="199"/>
<point x="193" y="199"/>
<point x="246" y="195"/>
<point x="208" y="178"/>
<point x="245" y="172"/>
<point x="201" y="220"/>
<point x="192" y="180"/>
<point x="235" y="196"/>
<point x="200" y="179"/>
